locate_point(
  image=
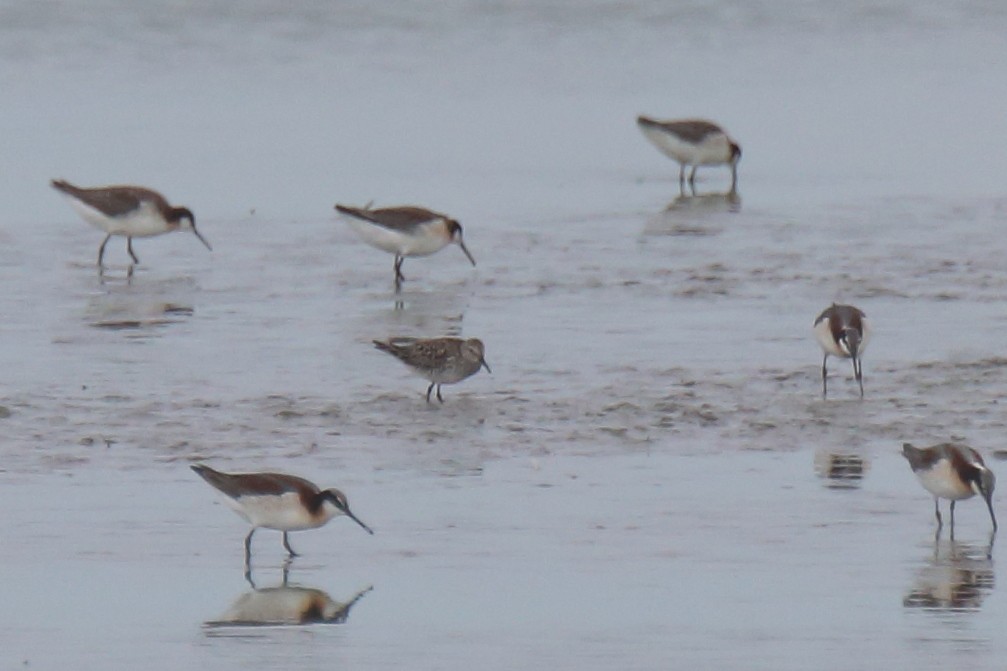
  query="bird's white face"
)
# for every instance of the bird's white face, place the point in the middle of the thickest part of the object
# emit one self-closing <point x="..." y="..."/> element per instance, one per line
<point x="337" y="507"/>
<point x="986" y="484"/>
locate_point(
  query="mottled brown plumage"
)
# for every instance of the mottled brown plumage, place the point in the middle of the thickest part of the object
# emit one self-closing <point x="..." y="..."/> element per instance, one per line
<point x="440" y="360"/>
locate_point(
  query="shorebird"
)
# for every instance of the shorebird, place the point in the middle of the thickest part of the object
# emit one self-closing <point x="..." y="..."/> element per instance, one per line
<point x="405" y="231"/>
<point x="277" y="501"/>
<point x="954" y="472"/>
<point x="130" y="211"/>
<point x="440" y="360"/>
<point x="843" y="331"/>
<point x="693" y="142"/>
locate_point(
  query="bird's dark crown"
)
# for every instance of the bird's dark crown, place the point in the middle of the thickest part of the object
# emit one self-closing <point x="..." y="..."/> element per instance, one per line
<point x="337" y="498"/>
<point x="177" y="214"/>
<point x="735" y="151"/>
<point x="454" y="228"/>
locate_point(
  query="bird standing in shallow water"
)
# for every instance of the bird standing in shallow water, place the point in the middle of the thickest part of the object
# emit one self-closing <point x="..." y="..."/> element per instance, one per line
<point x="843" y="331"/>
<point x="277" y="501"/>
<point x="440" y="360"/>
<point x="954" y="472"/>
<point x="693" y="142"/>
<point x="130" y="211"/>
<point x="405" y="231"/>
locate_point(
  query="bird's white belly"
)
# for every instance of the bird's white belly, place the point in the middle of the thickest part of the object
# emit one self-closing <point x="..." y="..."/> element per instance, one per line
<point x="283" y="513"/>
<point x="823" y="334"/>
<point x="449" y="375"/>
<point x="943" y="482"/>
<point x="713" y="150"/>
<point x="423" y="243"/>
<point x="143" y="222"/>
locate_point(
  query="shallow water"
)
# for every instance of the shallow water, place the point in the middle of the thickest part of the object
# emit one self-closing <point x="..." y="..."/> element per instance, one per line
<point x="648" y="478"/>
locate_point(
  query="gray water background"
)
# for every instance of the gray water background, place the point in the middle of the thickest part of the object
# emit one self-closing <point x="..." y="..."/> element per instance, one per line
<point x="649" y="478"/>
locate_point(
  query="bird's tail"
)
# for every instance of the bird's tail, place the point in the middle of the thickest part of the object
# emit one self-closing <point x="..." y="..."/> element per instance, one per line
<point x="912" y="454"/>
<point x="351" y="211"/>
<point x="386" y="347"/>
<point x="215" y="478"/>
<point x="64" y="186"/>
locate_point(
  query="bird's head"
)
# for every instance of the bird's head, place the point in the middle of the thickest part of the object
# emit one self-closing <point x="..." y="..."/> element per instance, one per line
<point x="849" y="341"/>
<point x="186" y="221"/>
<point x="335" y="503"/>
<point x="474" y="350"/>
<point x="735" y="153"/>
<point x="983" y="484"/>
<point x="455" y="233"/>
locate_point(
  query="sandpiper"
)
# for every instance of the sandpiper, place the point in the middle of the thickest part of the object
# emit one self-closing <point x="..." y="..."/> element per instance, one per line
<point x="130" y="211"/>
<point x="277" y="501"/>
<point x="405" y="231"/>
<point x="843" y="331"/>
<point x="440" y="360"/>
<point x="954" y="472"/>
<point x="693" y="142"/>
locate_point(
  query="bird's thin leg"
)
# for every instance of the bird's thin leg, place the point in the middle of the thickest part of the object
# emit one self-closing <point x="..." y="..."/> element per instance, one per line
<point x="101" y="250"/>
<point x="429" y="389"/>
<point x="248" y="547"/>
<point x="286" y="545"/>
<point x="399" y="277"/>
<point x="937" y="512"/>
<point x="286" y="570"/>
<point x="952" y="516"/>
<point x="439" y="397"/>
<point x="825" y="385"/>
<point x="692" y="177"/>
<point x="129" y="248"/>
<point x="681" y="175"/>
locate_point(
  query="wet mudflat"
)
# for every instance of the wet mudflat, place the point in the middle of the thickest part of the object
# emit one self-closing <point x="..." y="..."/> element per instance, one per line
<point x="648" y="478"/>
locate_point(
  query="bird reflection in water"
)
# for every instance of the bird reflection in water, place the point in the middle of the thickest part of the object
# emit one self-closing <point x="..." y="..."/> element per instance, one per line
<point x="143" y="306"/>
<point x="160" y="314"/>
<point x="841" y="470"/>
<point x="695" y="215"/>
<point x="285" y="605"/>
<point x="957" y="578"/>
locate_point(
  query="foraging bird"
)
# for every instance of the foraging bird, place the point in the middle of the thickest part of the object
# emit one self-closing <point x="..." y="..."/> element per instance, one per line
<point x="693" y="142"/>
<point x="277" y="501"/>
<point x="954" y="472"/>
<point x="440" y="360"/>
<point x="843" y="331"/>
<point x="405" y="231"/>
<point x="130" y="211"/>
